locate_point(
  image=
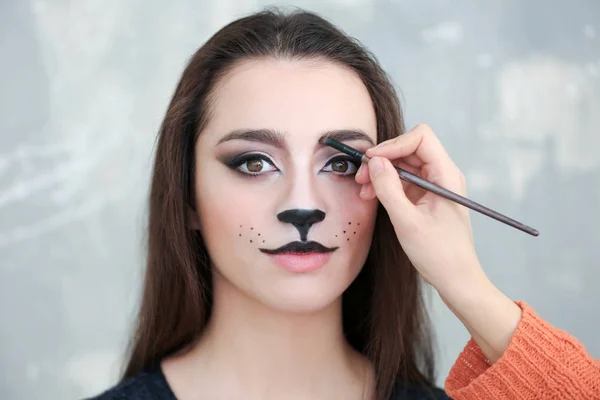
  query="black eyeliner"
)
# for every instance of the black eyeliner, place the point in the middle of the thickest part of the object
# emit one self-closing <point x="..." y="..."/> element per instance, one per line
<point x="238" y="160"/>
<point x="241" y="158"/>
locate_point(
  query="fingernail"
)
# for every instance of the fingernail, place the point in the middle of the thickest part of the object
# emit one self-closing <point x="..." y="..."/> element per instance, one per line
<point x="359" y="169"/>
<point x="375" y="166"/>
<point x="363" y="190"/>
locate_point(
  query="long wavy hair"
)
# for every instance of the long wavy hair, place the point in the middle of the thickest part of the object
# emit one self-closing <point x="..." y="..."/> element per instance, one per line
<point x="384" y="314"/>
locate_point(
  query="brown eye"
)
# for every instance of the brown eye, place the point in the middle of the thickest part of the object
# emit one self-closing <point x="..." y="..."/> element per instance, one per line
<point x="342" y="166"/>
<point x="254" y="165"/>
<point x="339" y="166"/>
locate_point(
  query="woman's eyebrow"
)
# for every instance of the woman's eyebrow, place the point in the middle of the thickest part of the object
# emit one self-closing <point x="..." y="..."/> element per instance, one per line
<point x="277" y="139"/>
<point x="346" y="135"/>
<point x="266" y="136"/>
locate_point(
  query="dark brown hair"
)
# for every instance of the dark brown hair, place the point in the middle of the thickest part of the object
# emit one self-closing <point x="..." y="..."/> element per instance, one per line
<point x="384" y="315"/>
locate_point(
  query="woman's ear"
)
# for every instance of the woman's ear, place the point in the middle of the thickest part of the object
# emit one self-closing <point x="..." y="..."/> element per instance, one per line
<point x="194" y="219"/>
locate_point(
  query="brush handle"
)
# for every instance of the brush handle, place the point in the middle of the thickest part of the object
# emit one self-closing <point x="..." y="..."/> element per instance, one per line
<point x="432" y="187"/>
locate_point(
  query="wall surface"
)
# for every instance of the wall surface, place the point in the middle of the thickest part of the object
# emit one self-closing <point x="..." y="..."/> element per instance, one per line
<point x="512" y="87"/>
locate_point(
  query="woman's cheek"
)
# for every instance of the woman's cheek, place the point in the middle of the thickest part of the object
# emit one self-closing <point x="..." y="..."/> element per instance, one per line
<point x="356" y="216"/>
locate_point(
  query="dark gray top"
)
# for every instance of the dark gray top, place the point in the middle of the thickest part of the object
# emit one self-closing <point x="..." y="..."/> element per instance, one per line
<point x="150" y="384"/>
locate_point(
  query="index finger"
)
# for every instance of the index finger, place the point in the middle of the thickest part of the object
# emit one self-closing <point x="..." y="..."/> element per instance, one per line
<point x="420" y="141"/>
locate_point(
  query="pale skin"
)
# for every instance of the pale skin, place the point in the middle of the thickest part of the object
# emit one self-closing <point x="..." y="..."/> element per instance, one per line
<point x="274" y="334"/>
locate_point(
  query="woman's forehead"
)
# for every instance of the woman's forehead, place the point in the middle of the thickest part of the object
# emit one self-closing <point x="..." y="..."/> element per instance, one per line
<point x="295" y="97"/>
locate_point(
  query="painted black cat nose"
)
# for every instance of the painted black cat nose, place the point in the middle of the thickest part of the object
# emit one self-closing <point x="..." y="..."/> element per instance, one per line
<point x="301" y="219"/>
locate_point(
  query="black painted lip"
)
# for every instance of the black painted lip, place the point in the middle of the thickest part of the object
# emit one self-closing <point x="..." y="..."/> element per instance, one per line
<point x="300" y="247"/>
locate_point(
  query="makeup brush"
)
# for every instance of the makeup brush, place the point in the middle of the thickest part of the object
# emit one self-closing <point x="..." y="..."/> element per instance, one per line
<point x="432" y="187"/>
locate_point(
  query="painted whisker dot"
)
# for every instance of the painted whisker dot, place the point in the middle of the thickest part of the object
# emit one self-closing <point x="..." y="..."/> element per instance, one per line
<point x="240" y="234"/>
<point x="259" y="234"/>
<point x="250" y="241"/>
<point x="344" y="231"/>
<point x="349" y="223"/>
<point x="263" y="241"/>
<point x="355" y="233"/>
<point x="348" y="239"/>
<point x="251" y="229"/>
<point x="335" y="235"/>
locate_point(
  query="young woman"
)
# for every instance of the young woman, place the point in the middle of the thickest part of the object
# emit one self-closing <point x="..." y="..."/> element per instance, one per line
<point x="278" y="268"/>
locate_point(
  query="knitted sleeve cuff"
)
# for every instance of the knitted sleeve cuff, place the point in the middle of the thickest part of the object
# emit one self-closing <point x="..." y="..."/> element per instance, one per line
<point x="540" y="362"/>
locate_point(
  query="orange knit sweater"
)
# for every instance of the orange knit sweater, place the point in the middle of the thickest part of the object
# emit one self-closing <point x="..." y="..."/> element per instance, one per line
<point x="541" y="362"/>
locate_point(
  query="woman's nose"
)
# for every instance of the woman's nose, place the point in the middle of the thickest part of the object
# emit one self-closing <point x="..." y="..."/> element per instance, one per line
<point x="302" y="219"/>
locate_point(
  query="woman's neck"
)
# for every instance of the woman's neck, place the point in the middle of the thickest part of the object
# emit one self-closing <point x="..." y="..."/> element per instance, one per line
<point x="252" y="351"/>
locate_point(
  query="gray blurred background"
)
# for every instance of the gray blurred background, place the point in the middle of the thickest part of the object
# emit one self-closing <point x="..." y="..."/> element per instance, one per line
<point x="512" y="87"/>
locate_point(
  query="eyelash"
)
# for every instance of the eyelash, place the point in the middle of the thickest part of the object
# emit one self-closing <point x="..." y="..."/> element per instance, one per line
<point x="238" y="161"/>
<point x="346" y="159"/>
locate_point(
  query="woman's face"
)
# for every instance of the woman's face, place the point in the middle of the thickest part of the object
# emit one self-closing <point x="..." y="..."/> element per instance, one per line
<point x="279" y="212"/>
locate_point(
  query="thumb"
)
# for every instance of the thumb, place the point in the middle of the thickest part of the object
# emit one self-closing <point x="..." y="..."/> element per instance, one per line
<point x="389" y="190"/>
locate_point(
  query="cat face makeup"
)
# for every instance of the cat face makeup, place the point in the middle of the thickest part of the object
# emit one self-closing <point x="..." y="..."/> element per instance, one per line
<point x="279" y="212"/>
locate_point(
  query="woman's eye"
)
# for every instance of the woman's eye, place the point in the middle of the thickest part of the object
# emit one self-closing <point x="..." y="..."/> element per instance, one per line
<point x="254" y="165"/>
<point x="341" y="166"/>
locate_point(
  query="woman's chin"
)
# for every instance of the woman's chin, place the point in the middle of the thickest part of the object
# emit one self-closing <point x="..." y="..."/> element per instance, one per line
<point x="300" y="297"/>
<point x="286" y="291"/>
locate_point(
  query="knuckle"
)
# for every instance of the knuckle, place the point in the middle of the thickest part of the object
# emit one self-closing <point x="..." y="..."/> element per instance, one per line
<point x="425" y="128"/>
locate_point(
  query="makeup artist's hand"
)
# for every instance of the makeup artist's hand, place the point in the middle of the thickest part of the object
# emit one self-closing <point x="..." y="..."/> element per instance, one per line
<point x="436" y="233"/>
